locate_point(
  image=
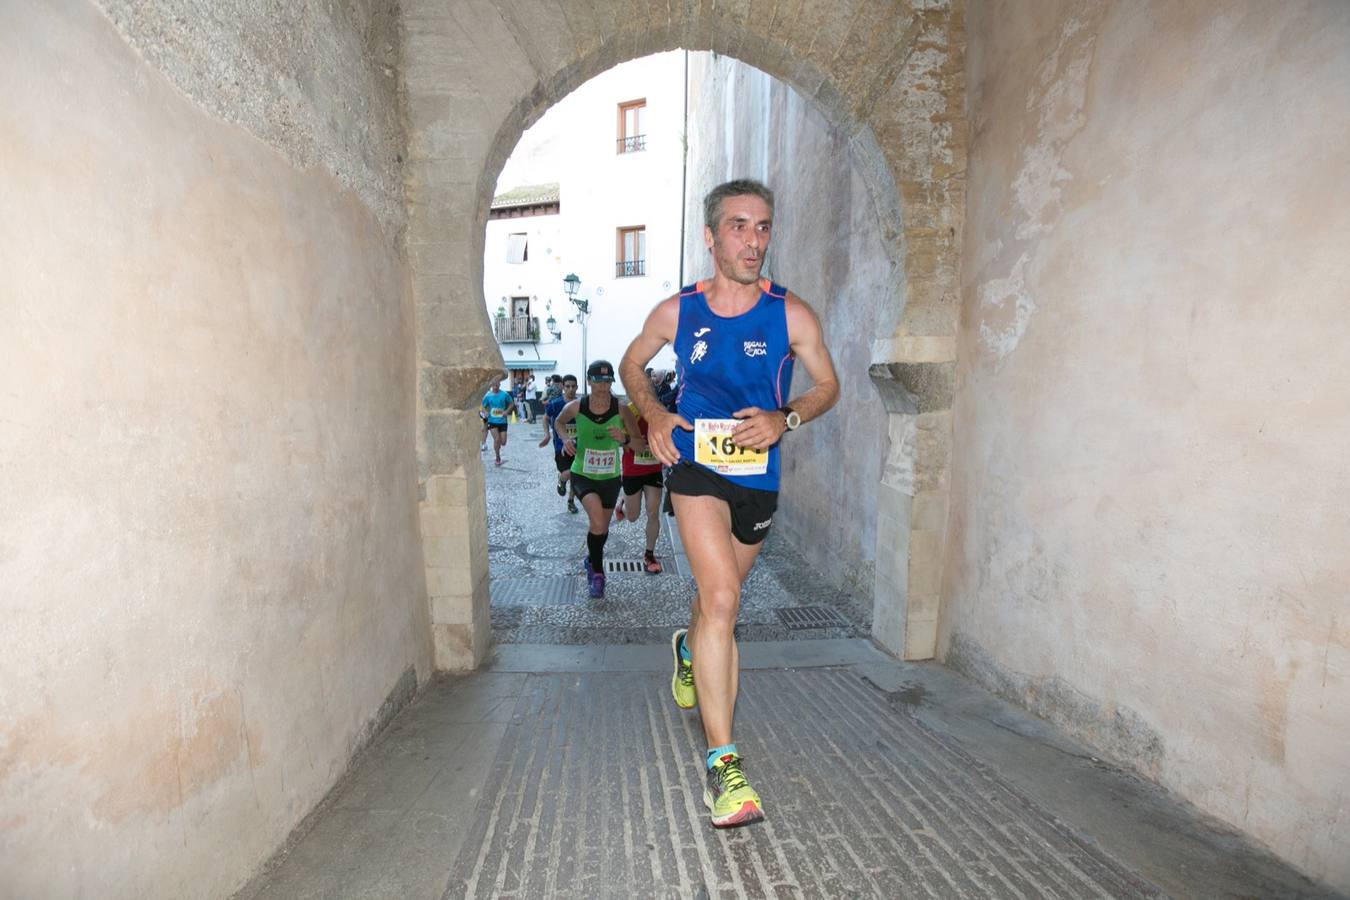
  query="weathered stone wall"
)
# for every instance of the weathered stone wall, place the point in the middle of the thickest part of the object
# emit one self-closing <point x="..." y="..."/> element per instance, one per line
<point x="890" y="76"/>
<point x="1149" y="520"/>
<point x="827" y="247"/>
<point x="211" y="587"/>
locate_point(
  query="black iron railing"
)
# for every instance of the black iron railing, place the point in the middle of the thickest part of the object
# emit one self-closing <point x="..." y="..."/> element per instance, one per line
<point x="517" y="329"/>
<point x="633" y="144"/>
<point x="629" y="267"/>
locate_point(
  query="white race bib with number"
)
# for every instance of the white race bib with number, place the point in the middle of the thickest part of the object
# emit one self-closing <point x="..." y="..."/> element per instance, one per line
<point x="496" y="413"/>
<point x="599" y="462"/>
<point x="714" y="448"/>
<point x="645" y="458"/>
<point x="570" y="430"/>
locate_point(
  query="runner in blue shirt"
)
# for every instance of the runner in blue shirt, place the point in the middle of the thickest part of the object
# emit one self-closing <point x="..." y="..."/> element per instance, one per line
<point x="496" y="405"/>
<point x="560" y="457"/>
<point x="736" y="337"/>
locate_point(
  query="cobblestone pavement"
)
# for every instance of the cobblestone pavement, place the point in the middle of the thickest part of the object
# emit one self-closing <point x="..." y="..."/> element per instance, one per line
<point x="535" y="549"/>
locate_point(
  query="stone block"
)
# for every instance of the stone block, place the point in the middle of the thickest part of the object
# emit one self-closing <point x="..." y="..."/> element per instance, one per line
<point x="448" y="550"/>
<point x="920" y="639"/>
<point x="454" y="648"/>
<point x="449" y="490"/>
<point x="925" y="562"/>
<point x="455" y="388"/>
<point x="930" y="511"/>
<point x="931" y="384"/>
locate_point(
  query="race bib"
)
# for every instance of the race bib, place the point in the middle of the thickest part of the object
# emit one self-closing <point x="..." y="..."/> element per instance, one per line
<point x="714" y="448"/>
<point x="645" y="458"/>
<point x="570" y="430"/>
<point x="599" y="462"/>
<point x="496" y="413"/>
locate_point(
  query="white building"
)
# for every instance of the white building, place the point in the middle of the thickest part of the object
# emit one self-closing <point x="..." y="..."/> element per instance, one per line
<point x="594" y="189"/>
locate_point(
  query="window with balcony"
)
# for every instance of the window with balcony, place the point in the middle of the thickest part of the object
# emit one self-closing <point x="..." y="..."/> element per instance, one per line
<point x="517" y="248"/>
<point x="632" y="252"/>
<point x="632" y="133"/>
<point x="519" y="326"/>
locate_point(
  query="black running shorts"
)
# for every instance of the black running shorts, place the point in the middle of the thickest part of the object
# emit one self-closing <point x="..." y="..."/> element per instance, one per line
<point x="607" y="489"/>
<point x="751" y="510"/>
<point x="563" y="461"/>
<point x="499" y="426"/>
<point x="633" y="484"/>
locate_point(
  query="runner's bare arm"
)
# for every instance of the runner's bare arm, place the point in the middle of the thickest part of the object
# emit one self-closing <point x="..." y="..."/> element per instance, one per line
<point x="548" y="431"/>
<point x="762" y="428"/>
<point x="657" y="331"/>
<point x="630" y="426"/>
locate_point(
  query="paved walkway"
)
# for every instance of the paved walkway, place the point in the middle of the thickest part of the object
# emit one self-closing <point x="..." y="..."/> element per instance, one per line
<point x="563" y="769"/>
<point x="535" y="550"/>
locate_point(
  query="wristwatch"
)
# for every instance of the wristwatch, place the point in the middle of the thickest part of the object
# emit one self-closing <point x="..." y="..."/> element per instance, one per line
<point x="791" y="418"/>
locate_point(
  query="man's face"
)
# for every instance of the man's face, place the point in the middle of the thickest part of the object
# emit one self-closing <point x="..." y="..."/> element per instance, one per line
<point x="569" y="389"/>
<point x="742" y="238"/>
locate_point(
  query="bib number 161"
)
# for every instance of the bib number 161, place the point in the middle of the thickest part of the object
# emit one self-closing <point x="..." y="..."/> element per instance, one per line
<point x="715" y="448"/>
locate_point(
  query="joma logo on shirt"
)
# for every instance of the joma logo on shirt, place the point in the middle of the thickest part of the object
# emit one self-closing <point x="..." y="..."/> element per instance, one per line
<point x="756" y="348"/>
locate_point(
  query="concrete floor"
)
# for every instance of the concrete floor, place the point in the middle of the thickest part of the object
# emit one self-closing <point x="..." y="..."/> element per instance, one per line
<point x="563" y="769"/>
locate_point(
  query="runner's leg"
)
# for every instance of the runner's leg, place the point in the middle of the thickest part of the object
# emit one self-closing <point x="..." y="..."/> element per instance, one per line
<point x="651" y="496"/>
<point x="719" y="563"/>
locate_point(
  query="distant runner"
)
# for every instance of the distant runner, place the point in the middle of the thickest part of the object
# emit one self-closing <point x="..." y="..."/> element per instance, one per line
<point x="595" y="464"/>
<point x="566" y="394"/>
<point x="496" y="406"/>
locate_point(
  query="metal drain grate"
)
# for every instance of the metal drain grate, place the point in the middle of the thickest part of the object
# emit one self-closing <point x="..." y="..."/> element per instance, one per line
<point x="533" y="591"/>
<point x="623" y="565"/>
<point x="798" y="618"/>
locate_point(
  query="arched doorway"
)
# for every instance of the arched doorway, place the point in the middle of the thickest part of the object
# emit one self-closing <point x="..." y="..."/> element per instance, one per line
<point x="471" y="90"/>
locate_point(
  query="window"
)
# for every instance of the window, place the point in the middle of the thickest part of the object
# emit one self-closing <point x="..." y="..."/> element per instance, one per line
<point x="632" y="133"/>
<point x="520" y="306"/>
<point x="632" y="252"/>
<point x="517" y="248"/>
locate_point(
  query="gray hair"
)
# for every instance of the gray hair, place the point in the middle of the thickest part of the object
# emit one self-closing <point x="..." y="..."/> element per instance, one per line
<point x="712" y="204"/>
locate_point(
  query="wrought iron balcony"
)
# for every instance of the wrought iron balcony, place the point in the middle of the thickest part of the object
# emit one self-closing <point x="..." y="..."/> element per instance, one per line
<point x="630" y="267"/>
<point x="633" y="144"/>
<point x="517" y="329"/>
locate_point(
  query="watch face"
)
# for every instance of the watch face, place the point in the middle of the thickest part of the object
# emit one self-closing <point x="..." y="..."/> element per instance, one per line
<point x="793" y="420"/>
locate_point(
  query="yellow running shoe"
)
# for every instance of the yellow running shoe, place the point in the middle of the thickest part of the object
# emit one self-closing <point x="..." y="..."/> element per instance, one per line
<point x="729" y="797"/>
<point x="682" y="682"/>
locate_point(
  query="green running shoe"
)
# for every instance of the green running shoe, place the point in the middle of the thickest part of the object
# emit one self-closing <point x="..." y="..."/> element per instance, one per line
<point x="729" y="797"/>
<point x="682" y="682"/>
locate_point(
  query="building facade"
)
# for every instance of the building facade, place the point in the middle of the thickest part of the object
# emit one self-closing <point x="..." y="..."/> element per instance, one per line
<point x="593" y="189"/>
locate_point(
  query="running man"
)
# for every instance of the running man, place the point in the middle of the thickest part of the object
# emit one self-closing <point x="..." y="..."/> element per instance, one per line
<point x="496" y="406"/>
<point x="641" y="484"/>
<point x="595" y="462"/>
<point x="735" y="338"/>
<point x="567" y="393"/>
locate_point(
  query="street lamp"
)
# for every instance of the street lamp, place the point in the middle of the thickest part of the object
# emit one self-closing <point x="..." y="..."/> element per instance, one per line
<point x="571" y="286"/>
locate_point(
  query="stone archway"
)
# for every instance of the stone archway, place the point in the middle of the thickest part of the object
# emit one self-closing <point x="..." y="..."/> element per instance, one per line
<point x="475" y="79"/>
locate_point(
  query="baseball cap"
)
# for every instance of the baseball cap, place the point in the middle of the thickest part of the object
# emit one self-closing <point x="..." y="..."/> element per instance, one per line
<point x="600" y="370"/>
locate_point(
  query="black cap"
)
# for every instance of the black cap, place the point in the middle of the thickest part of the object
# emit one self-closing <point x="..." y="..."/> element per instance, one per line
<point x="600" y="370"/>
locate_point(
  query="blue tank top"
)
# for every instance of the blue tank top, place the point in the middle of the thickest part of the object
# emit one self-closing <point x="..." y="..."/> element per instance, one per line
<point x="729" y="363"/>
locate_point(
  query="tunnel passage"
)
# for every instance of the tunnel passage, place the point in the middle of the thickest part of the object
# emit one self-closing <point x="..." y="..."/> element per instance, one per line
<point x="888" y="81"/>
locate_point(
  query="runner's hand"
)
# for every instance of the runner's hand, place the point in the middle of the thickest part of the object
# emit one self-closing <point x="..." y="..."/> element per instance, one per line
<point x="659" y="429"/>
<point x="760" y="429"/>
<point x="618" y="434"/>
<point x="544" y="442"/>
<point x="570" y="447"/>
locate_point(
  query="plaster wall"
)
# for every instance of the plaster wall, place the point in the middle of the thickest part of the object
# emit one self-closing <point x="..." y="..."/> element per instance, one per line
<point x="1148" y="523"/>
<point x="827" y="247"/>
<point x="211" y="588"/>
